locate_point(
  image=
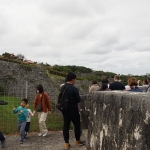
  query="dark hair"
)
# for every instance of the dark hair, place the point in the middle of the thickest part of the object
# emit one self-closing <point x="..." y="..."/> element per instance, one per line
<point x="146" y="81"/>
<point x="104" y="87"/>
<point x="40" y="88"/>
<point x="25" y="100"/>
<point x="70" y="76"/>
<point x="105" y="81"/>
<point x="94" y="82"/>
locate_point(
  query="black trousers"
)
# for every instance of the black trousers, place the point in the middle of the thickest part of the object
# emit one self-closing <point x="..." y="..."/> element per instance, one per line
<point x="71" y="115"/>
<point x="27" y="127"/>
<point x="1" y="136"/>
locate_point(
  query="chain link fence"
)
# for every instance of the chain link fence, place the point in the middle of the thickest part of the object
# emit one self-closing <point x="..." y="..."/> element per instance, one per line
<point x="8" y="120"/>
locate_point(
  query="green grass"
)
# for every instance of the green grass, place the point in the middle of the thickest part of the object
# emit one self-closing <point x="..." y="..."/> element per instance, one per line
<point x="8" y="120"/>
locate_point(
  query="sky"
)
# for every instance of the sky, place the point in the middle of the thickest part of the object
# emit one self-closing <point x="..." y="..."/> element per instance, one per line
<point x="110" y="35"/>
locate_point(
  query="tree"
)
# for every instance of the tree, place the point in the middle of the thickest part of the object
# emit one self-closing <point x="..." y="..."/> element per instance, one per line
<point x="7" y="55"/>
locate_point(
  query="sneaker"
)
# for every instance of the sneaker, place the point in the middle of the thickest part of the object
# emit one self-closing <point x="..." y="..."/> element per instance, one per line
<point x="67" y="146"/>
<point x="21" y="141"/>
<point x="27" y="136"/>
<point x="3" y="143"/>
<point x="45" y="133"/>
<point x="40" y="134"/>
<point x="80" y="142"/>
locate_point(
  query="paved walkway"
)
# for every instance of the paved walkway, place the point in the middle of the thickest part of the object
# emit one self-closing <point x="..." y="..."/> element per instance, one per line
<point x="53" y="141"/>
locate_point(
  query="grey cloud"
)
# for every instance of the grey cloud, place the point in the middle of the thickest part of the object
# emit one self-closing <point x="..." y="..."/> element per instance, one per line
<point x="73" y="8"/>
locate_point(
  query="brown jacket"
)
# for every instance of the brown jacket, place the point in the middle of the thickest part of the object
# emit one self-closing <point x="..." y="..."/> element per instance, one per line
<point x="46" y="106"/>
<point x="94" y="87"/>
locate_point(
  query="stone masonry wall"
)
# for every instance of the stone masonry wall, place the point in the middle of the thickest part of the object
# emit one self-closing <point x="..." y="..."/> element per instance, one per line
<point x="117" y="120"/>
<point x="13" y="77"/>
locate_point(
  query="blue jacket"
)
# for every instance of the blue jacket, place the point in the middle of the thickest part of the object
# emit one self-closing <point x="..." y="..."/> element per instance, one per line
<point x="22" y="117"/>
<point x="136" y="89"/>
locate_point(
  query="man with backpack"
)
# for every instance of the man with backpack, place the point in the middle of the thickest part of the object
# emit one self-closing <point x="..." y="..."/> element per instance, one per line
<point x="70" y="109"/>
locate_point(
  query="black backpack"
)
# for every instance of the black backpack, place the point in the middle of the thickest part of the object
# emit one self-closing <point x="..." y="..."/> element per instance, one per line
<point x="62" y="103"/>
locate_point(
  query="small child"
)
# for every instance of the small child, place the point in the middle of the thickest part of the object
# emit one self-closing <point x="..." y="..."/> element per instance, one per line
<point x="28" y="121"/>
<point x="22" y="118"/>
<point x="2" y="139"/>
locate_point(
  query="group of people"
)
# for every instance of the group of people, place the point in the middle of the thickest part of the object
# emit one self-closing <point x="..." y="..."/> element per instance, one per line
<point x="42" y="98"/>
<point x="73" y="112"/>
<point x="133" y="85"/>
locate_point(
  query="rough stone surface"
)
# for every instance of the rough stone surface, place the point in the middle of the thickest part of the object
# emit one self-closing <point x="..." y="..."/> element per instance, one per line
<point x="53" y="141"/>
<point x="117" y="120"/>
<point x="13" y="77"/>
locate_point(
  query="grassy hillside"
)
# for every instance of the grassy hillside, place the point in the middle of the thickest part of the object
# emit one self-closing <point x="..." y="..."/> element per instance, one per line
<point x="8" y="120"/>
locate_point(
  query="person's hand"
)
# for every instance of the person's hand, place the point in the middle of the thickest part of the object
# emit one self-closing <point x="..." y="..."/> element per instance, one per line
<point x="34" y="114"/>
<point x="49" y="112"/>
<point x="14" y="109"/>
<point x="21" y="111"/>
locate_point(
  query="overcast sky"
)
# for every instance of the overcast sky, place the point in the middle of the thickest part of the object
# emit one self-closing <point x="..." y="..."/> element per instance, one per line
<point x="108" y="35"/>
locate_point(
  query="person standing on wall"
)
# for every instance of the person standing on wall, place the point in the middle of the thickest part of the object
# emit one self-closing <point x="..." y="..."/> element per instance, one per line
<point x="116" y="85"/>
<point x="45" y="109"/>
<point x="72" y="114"/>
<point x="94" y="86"/>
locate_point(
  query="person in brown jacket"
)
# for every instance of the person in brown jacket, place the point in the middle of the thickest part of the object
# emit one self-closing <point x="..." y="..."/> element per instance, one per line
<point x="94" y="86"/>
<point x="46" y="108"/>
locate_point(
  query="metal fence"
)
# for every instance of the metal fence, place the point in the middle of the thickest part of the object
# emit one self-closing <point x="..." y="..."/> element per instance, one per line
<point x="8" y="120"/>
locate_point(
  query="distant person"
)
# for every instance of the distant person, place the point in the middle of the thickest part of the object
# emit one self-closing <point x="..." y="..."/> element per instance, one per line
<point x="148" y="81"/>
<point x="72" y="114"/>
<point x="104" y="87"/>
<point x="22" y="118"/>
<point x="145" y="86"/>
<point x="94" y="86"/>
<point x="145" y="82"/>
<point x="2" y="139"/>
<point x="132" y="82"/>
<point x="105" y="81"/>
<point x="45" y="109"/>
<point x="116" y="85"/>
<point x="27" y="128"/>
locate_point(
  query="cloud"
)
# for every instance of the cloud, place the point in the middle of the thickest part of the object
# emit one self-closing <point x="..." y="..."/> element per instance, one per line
<point x="109" y="35"/>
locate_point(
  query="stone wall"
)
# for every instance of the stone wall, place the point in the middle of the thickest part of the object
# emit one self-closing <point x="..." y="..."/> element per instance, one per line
<point x="117" y="120"/>
<point x="13" y="77"/>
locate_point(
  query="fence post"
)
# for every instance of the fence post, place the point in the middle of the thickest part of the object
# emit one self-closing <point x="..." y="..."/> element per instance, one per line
<point x="26" y="89"/>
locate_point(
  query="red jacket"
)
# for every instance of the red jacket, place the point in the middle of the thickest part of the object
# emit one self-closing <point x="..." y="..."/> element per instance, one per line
<point x="46" y="106"/>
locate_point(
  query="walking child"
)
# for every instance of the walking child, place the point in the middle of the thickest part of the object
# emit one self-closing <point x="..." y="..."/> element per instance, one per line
<point x="22" y="118"/>
<point x="27" y="128"/>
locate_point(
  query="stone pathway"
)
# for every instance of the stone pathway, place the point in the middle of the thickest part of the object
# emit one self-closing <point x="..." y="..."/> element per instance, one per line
<point x="53" y="141"/>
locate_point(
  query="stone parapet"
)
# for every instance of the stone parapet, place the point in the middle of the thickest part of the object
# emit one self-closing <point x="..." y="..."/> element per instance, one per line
<point x="117" y="120"/>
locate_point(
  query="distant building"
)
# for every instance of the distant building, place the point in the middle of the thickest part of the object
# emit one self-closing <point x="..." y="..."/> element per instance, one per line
<point x="28" y="62"/>
<point x="13" y="56"/>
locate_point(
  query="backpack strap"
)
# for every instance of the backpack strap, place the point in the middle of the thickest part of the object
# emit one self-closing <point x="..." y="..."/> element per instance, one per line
<point x="65" y="89"/>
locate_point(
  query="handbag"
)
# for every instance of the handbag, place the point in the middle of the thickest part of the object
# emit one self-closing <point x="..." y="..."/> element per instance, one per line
<point x="39" y="106"/>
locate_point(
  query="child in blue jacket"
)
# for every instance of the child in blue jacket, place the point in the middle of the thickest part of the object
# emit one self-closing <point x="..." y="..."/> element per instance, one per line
<point x="22" y="118"/>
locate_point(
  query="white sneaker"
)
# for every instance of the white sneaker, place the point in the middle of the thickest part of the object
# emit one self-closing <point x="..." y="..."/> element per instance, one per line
<point x="40" y="134"/>
<point x="45" y="133"/>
